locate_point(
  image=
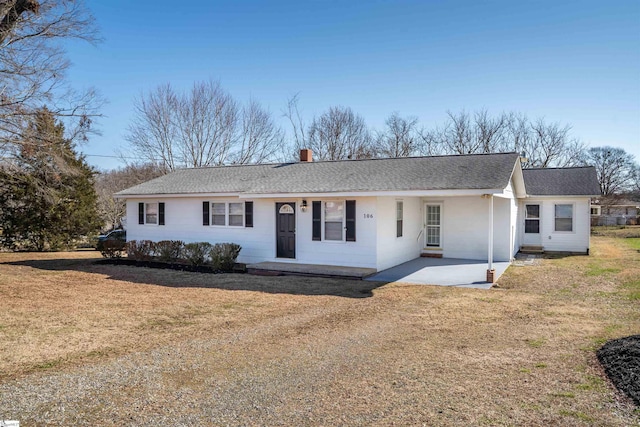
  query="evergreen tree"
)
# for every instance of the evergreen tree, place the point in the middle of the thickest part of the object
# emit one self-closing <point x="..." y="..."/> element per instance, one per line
<point x="47" y="196"/>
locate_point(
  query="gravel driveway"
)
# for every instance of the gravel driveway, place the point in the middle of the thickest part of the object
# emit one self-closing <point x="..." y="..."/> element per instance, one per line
<point x="295" y="370"/>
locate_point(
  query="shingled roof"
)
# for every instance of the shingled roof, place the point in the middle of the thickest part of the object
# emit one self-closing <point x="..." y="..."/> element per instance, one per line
<point x="460" y="172"/>
<point x="579" y="181"/>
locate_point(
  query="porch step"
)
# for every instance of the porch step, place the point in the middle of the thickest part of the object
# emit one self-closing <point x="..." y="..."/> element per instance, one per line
<point x="531" y="249"/>
<point x="430" y="255"/>
<point x="294" y="269"/>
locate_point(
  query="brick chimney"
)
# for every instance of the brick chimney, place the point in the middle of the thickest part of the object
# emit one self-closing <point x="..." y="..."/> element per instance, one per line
<point x="306" y="155"/>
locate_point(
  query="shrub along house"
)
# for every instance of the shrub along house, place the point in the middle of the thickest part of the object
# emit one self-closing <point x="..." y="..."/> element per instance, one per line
<point x="369" y="213"/>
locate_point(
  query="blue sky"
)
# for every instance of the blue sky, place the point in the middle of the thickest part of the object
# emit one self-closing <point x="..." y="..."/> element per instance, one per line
<point x="575" y="62"/>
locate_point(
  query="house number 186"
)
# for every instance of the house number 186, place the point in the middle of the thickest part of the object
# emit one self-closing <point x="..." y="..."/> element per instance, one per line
<point x="368" y="215"/>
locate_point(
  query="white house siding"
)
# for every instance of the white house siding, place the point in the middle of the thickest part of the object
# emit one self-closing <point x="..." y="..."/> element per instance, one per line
<point x="361" y="253"/>
<point x="515" y="212"/>
<point x="514" y="234"/>
<point x="393" y="250"/>
<point x="465" y="222"/>
<point x="502" y="221"/>
<point x="183" y="221"/>
<point x="560" y="241"/>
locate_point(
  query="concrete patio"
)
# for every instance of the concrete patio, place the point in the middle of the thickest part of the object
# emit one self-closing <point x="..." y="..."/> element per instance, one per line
<point x="423" y="271"/>
<point x="463" y="273"/>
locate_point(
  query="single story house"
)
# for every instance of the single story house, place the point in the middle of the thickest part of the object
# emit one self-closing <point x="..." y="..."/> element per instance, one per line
<point x="374" y="213"/>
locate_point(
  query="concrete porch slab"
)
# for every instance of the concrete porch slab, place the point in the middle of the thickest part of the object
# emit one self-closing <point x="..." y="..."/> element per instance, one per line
<point x="462" y="273"/>
<point x="286" y="268"/>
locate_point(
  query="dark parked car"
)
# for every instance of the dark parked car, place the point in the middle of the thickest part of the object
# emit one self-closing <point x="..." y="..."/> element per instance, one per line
<point x="115" y="235"/>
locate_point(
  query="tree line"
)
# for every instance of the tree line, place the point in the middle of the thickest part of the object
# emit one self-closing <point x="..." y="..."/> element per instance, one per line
<point x="205" y="126"/>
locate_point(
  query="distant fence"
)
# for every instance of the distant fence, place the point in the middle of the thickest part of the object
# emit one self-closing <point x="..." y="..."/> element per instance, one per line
<point x="614" y="220"/>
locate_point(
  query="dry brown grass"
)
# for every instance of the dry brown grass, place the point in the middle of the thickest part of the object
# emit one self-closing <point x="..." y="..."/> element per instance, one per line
<point x="330" y="352"/>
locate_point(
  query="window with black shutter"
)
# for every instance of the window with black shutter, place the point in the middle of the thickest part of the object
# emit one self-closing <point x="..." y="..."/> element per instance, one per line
<point x="141" y="213"/>
<point x="160" y="213"/>
<point x="248" y="214"/>
<point x="351" y="221"/>
<point x="317" y="220"/>
<point x="205" y="213"/>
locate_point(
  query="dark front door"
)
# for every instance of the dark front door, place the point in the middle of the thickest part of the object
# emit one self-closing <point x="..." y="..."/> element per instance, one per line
<point x="286" y="230"/>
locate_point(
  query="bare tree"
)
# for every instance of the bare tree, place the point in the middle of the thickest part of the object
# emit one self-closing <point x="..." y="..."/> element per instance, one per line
<point x="615" y="168"/>
<point x="457" y="134"/>
<point x="547" y="143"/>
<point x="34" y="64"/>
<point x="107" y="183"/>
<point x="202" y="127"/>
<point x="490" y="132"/>
<point x="154" y="130"/>
<point x="339" y="134"/>
<point x="543" y="144"/>
<point x="207" y="120"/>
<point x="260" y="139"/>
<point x="431" y="142"/>
<point x="400" y="137"/>
<point x="292" y="113"/>
<point x="635" y="182"/>
<point x="518" y="131"/>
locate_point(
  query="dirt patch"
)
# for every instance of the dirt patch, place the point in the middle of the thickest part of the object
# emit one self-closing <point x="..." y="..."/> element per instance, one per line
<point x="621" y="361"/>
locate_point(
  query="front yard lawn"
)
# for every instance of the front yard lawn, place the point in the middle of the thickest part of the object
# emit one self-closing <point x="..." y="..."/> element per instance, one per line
<point x="88" y="344"/>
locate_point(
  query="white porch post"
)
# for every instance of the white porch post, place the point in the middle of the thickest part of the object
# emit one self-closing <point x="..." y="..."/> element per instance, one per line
<point x="490" y="270"/>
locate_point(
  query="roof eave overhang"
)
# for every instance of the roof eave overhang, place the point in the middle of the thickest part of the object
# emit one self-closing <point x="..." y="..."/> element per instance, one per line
<point x="389" y="193"/>
<point x="173" y="195"/>
<point x="499" y="192"/>
<point x="556" y="196"/>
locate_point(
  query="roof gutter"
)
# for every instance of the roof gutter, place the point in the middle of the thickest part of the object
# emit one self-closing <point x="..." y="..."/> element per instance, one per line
<point x="389" y="193"/>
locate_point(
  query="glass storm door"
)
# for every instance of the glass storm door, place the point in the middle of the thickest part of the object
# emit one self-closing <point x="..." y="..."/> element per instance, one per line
<point x="433" y="232"/>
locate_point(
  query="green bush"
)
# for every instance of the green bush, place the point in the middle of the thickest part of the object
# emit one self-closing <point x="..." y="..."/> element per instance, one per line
<point x="112" y="248"/>
<point x="197" y="253"/>
<point x="169" y="250"/>
<point x="223" y="256"/>
<point x="140" y="250"/>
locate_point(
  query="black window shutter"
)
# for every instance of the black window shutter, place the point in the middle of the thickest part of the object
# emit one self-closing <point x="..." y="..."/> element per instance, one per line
<point x="317" y="220"/>
<point x="160" y="213"/>
<point x="351" y="220"/>
<point x="140" y="213"/>
<point x="205" y="213"/>
<point x="248" y="214"/>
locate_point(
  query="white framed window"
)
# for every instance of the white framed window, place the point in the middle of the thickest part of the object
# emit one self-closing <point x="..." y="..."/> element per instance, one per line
<point x="236" y="214"/>
<point x="227" y="214"/>
<point x="532" y="219"/>
<point x="564" y="217"/>
<point x="333" y="216"/>
<point x="218" y="213"/>
<point x="399" y="217"/>
<point x="434" y="225"/>
<point x="151" y="213"/>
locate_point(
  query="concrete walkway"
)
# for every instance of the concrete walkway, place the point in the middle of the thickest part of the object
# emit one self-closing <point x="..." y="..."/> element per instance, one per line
<point x="441" y="271"/>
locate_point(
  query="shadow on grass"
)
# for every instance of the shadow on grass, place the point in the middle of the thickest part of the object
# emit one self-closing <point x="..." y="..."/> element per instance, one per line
<point x="294" y="285"/>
